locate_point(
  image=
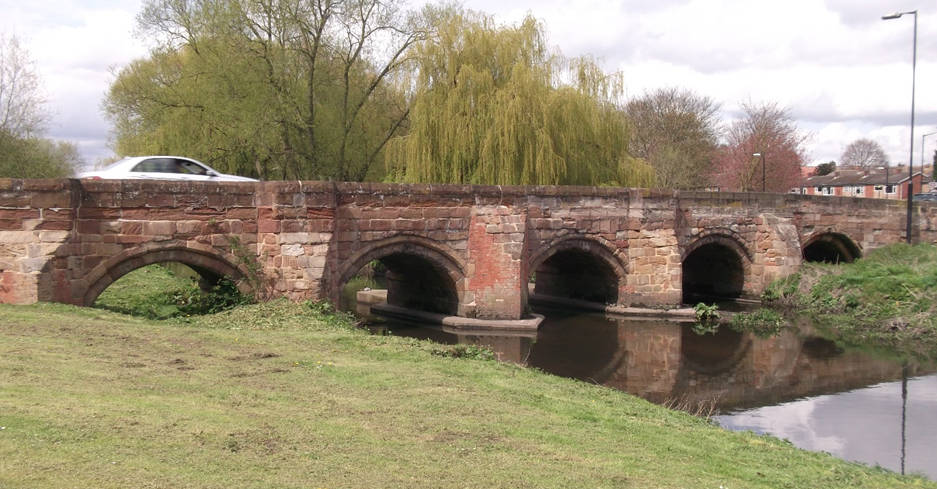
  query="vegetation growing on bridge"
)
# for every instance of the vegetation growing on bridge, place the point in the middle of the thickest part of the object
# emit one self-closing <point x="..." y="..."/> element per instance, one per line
<point x="270" y="395"/>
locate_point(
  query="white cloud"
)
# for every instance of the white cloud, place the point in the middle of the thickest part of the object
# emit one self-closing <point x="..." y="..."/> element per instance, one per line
<point x="842" y="71"/>
<point x="74" y="45"/>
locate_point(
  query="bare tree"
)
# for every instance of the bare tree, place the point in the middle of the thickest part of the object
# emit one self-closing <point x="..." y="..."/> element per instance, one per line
<point x="22" y="107"/>
<point x="864" y="153"/>
<point x="676" y="132"/>
<point x="769" y="131"/>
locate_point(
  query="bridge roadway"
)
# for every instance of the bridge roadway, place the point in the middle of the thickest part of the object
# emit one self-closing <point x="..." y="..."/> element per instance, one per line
<point x="452" y="249"/>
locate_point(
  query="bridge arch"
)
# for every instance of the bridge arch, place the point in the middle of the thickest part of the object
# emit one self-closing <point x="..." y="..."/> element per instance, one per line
<point x="831" y="247"/>
<point x="715" y="266"/>
<point x="579" y="267"/>
<point x="422" y="274"/>
<point x="207" y="261"/>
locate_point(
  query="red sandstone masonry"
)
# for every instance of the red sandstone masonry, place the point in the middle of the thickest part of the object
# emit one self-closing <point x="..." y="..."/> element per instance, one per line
<point x="63" y="239"/>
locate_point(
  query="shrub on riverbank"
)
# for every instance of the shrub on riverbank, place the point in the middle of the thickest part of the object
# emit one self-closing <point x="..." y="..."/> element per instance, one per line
<point x="889" y="297"/>
<point x="158" y="292"/>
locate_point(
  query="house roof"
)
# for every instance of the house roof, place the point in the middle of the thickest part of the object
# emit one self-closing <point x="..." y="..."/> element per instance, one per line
<point x="860" y="176"/>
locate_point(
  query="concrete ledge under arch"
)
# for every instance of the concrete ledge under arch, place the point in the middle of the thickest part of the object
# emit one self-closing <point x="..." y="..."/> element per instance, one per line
<point x="679" y="314"/>
<point x="198" y="257"/>
<point x="463" y="324"/>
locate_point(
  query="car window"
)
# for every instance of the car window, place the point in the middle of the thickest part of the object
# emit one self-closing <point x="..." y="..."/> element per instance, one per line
<point x="156" y="165"/>
<point x="191" y="168"/>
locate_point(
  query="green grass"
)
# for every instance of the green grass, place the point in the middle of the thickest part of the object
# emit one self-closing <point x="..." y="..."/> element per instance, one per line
<point x="276" y="395"/>
<point x="888" y="298"/>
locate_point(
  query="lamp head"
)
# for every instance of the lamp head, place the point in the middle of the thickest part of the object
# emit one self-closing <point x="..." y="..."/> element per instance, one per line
<point x="895" y="15"/>
<point x="756" y="154"/>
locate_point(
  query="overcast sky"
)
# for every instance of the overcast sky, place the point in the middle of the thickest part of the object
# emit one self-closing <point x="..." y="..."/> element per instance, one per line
<point x="842" y="71"/>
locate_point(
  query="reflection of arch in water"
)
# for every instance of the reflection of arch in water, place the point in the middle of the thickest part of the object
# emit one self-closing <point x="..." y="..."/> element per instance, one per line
<point x="831" y="247"/>
<point x="715" y="266"/>
<point x="209" y="263"/>
<point x="818" y="348"/>
<point x="421" y="274"/>
<point x="581" y="346"/>
<point x="713" y="354"/>
<point x="577" y="267"/>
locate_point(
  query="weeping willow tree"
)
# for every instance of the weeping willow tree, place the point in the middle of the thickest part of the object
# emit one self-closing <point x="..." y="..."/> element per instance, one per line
<point x="492" y="105"/>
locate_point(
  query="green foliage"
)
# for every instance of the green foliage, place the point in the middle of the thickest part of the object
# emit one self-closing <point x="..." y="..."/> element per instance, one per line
<point x="782" y="291"/>
<point x="888" y="298"/>
<point x="764" y="323"/>
<point x="707" y="318"/>
<point x="473" y="352"/>
<point x="33" y="157"/>
<point x="276" y="90"/>
<point x="492" y="105"/>
<point x="248" y="260"/>
<point x="154" y="292"/>
<point x="325" y="312"/>
<point x="825" y="168"/>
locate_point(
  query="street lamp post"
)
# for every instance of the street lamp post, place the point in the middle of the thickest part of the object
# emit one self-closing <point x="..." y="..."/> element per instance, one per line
<point x="922" y="149"/>
<point x="762" y="169"/>
<point x="897" y="15"/>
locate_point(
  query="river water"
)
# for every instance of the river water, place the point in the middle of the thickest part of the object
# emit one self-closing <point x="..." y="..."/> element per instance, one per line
<point x="797" y="386"/>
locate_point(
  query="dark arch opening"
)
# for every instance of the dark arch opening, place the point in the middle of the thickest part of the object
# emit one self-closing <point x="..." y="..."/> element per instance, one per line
<point x="575" y="273"/>
<point x="831" y="248"/>
<point x="713" y="271"/>
<point x="417" y="283"/>
<point x="416" y="273"/>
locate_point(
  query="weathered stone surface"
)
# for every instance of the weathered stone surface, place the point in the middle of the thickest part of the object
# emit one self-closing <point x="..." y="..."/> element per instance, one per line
<point x="65" y="240"/>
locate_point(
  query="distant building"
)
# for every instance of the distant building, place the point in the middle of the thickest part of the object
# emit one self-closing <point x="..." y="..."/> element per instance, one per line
<point x="872" y="183"/>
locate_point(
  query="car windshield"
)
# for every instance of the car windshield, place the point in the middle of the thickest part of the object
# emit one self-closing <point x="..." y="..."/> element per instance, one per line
<point x="114" y="164"/>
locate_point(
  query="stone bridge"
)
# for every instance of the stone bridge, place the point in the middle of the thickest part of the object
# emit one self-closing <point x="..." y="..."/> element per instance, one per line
<point x="453" y="249"/>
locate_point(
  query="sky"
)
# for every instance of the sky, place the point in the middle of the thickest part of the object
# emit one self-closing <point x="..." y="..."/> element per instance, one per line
<point x="842" y="71"/>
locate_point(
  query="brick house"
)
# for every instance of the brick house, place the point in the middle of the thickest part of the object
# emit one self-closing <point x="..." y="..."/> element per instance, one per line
<point x="861" y="182"/>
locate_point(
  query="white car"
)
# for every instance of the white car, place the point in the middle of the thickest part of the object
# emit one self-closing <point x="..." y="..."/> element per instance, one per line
<point x="161" y="168"/>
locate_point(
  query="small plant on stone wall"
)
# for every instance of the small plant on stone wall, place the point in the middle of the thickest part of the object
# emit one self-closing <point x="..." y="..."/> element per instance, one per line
<point x="249" y="262"/>
<point x="707" y="318"/>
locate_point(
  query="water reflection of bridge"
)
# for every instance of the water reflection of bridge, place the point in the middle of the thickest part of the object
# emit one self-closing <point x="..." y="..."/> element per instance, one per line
<point x="665" y="361"/>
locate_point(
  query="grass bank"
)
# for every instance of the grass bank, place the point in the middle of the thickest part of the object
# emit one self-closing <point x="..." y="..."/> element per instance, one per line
<point x="888" y="298"/>
<point x="276" y="395"/>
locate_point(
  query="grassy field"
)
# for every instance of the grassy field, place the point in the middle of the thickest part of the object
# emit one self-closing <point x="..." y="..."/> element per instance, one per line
<point x="275" y="395"/>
